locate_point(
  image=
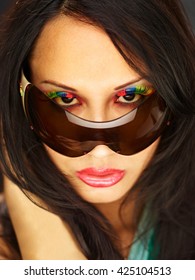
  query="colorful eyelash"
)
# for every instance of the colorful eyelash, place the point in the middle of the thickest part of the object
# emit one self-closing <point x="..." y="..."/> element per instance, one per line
<point x="55" y="94"/>
<point x="137" y="90"/>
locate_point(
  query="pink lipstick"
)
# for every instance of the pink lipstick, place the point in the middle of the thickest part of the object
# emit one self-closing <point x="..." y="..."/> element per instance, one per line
<point x="100" y="178"/>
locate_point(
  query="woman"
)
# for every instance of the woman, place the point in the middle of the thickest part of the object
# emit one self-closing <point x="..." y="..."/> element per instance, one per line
<point x="97" y="130"/>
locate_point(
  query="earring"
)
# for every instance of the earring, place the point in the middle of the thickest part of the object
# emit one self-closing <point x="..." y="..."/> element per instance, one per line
<point x="168" y="123"/>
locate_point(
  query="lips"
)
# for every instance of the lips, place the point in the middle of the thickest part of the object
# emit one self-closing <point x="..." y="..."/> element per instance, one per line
<point x="100" y="178"/>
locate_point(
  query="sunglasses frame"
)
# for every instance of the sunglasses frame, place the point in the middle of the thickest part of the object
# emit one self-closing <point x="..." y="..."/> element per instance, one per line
<point x="104" y="126"/>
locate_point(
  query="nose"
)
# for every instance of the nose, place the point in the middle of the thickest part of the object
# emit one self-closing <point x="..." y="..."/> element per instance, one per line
<point x="97" y="114"/>
<point x="98" y="109"/>
<point x="101" y="151"/>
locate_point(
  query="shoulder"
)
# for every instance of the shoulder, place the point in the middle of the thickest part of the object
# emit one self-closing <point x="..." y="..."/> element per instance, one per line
<point x="35" y="227"/>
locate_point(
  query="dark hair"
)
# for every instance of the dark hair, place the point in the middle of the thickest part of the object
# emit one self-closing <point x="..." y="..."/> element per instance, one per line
<point x="155" y="39"/>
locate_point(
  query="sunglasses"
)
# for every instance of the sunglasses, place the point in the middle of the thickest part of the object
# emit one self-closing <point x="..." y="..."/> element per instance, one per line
<point x="72" y="136"/>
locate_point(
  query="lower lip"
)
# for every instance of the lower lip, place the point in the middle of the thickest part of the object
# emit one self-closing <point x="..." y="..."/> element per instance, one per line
<point x="103" y="178"/>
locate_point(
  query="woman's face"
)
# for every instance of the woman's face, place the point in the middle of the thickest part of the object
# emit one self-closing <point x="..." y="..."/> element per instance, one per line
<point x="80" y="59"/>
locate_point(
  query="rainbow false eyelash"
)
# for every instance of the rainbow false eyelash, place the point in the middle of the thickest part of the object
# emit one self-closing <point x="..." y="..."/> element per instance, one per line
<point x="142" y="90"/>
<point x="131" y="91"/>
<point x="56" y="94"/>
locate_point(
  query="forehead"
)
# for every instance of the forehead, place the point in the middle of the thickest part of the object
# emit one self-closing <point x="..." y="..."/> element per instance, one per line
<point x="69" y="47"/>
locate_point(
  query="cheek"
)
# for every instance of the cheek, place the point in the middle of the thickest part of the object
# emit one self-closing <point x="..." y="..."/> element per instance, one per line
<point x="60" y="161"/>
<point x="137" y="163"/>
<point x="141" y="160"/>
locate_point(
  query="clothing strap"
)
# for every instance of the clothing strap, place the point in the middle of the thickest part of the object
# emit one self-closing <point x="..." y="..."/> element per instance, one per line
<point x="143" y="243"/>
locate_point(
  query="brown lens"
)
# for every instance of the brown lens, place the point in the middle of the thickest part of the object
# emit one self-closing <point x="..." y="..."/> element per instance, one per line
<point x="55" y="130"/>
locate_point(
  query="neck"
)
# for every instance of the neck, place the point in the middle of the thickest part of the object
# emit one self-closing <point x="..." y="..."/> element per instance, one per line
<point x="123" y="221"/>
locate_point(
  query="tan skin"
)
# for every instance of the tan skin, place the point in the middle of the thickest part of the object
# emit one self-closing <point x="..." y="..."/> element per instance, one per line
<point x="94" y="68"/>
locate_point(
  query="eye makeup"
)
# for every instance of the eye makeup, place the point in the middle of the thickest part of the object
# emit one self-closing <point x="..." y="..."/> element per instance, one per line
<point x="130" y="96"/>
<point x="140" y="89"/>
<point x="64" y="99"/>
<point x="56" y="94"/>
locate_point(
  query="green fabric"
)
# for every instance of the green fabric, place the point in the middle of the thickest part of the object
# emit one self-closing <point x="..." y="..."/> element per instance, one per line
<point x="143" y="243"/>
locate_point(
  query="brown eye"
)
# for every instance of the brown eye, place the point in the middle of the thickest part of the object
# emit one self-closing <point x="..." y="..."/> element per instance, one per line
<point x="67" y="100"/>
<point x="128" y="98"/>
<point x="63" y="99"/>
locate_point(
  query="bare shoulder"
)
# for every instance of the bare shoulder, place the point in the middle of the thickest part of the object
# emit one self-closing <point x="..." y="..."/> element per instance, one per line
<point x="40" y="233"/>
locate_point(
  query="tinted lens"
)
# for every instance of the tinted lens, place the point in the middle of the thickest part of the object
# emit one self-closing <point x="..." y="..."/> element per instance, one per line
<point x="73" y="136"/>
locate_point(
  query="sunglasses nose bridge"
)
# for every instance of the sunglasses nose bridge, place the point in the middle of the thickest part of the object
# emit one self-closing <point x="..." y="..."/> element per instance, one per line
<point x="102" y="138"/>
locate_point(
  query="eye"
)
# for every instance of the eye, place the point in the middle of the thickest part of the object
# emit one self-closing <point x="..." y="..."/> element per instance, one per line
<point x="133" y="94"/>
<point x="63" y="99"/>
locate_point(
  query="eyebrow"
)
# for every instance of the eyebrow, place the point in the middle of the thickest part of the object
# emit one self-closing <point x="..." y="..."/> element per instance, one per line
<point x="129" y="83"/>
<point x="50" y="82"/>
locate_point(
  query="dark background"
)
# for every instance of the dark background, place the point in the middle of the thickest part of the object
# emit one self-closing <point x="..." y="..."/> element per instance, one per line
<point x="190" y="8"/>
<point x="4" y="4"/>
<point x="189" y="5"/>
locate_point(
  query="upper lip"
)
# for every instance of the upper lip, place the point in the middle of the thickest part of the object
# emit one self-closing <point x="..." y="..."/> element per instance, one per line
<point x="99" y="171"/>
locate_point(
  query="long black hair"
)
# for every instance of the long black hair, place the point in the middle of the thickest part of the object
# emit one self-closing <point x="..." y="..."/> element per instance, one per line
<point x="156" y="40"/>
